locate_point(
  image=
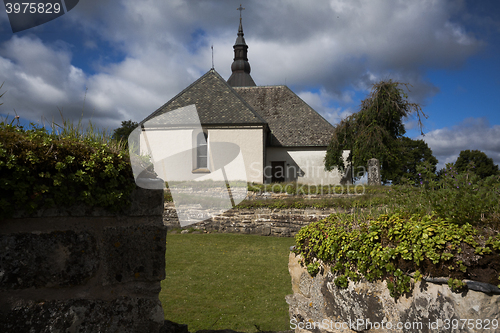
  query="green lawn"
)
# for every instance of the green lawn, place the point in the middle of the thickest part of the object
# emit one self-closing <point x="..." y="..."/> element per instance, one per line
<point x="227" y="281"/>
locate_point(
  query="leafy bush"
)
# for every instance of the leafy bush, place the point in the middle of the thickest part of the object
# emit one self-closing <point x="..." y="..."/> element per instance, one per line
<point x="384" y="247"/>
<point x="461" y="197"/>
<point x="39" y="169"/>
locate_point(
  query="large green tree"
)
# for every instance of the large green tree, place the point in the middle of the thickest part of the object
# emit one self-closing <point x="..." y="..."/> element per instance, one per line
<point x="483" y="165"/>
<point x="411" y="154"/>
<point x="375" y="131"/>
<point x="121" y="133"/>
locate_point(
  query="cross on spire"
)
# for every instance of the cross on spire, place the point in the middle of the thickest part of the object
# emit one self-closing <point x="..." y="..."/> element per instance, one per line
<point x="240" y="67"/>
<point x="240" y="9"/>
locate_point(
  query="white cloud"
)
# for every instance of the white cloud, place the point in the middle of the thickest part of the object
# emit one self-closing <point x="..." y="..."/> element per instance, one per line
<point x="340" y="46"/>
<point x="322" y="102"/>
<point x="38" y="78"/>
<point x="355" y="43"/>
<point x="471" y="134"/>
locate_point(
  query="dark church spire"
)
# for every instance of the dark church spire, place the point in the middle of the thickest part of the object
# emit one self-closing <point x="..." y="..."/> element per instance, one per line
<point x="240" y="67"/>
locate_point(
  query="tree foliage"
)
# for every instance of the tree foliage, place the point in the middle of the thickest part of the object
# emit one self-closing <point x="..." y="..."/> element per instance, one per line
<point x="413" y="153"/>
<point x="483" y="165"/>
<point x="375" y="131"/>
<point x="122" y="133"/>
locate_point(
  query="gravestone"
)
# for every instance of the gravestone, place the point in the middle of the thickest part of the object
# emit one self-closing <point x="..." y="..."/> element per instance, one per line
<point x="373" y="172"/>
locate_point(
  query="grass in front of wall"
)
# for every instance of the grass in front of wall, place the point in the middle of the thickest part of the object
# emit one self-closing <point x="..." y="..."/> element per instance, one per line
<point x="346" y="198"/>
<point x="227" y="281"/>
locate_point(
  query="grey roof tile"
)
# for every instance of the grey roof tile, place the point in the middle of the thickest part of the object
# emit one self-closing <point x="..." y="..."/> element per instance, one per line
<point x="291" y="121"/>
<point x="216" y="103"/>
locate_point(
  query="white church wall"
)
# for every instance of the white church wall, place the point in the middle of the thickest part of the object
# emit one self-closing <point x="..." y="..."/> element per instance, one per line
<point x="171" y="152"/>
<point x="303" y="165"/>
<point x="174" y="153"/>
<point x="250" y="142"/>
<point x="165" y="143"/>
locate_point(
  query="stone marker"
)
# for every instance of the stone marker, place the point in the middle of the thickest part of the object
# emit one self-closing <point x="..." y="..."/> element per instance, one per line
<point x="373" y="172"/>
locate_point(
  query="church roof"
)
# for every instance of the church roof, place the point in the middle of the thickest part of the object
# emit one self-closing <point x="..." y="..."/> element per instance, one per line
<point x="292" y="122"/>
<point x="216" y="102"/>
<point x="241" y="79"/>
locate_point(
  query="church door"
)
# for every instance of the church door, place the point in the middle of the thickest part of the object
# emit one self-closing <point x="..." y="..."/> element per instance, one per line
<point x="277" y="172"/>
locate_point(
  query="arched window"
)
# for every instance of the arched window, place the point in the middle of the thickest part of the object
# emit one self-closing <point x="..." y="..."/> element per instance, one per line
<point x="202" y="151"/>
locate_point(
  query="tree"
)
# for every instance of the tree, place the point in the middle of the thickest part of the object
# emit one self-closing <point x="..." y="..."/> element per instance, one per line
<point x="375" y="131"/>
<point x="122" y="133"/>
<point x="483" y="165"/>
<point x="411" y="154"/>
<point x="441" y="173"/>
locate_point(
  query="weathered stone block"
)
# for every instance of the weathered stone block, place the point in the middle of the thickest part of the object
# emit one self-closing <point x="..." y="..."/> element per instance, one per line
<point x="374" y="172"/>
<point x="135" y="253"/>
<point x="55" y="259"/>
<point x="146" y="202"/>
<point x="122" y="315"/>
<point x="320" y="306"/>
<point x="266" y="231"/>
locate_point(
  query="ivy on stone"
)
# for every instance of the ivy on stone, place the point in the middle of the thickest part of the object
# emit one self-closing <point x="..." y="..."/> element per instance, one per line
<point x="372" y="250"/>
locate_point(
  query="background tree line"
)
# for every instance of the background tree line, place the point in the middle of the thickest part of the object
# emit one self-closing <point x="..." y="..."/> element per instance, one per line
<point x="377" y="131"/>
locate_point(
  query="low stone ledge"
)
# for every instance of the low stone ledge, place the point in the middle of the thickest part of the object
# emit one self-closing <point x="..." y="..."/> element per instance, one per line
<point x="262" y="221"/>
<point x="122" y="315"/>
<point x="320" y="306"/>
<point x="143" y="202"/>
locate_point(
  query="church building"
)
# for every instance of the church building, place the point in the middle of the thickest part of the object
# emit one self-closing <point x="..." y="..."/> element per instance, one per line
<point x="281" y="138"/>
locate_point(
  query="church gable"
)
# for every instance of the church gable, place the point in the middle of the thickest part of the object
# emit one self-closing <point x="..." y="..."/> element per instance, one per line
<point x="272" y="126"/>
<point x="292" y="122"/>
<point x="216" y="102"/>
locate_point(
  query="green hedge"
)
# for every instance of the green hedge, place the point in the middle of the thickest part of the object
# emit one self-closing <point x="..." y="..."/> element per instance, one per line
<point x="42" y="170"/>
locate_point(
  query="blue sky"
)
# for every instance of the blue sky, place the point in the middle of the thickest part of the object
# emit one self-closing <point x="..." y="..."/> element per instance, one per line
<point x="127" y="58"/>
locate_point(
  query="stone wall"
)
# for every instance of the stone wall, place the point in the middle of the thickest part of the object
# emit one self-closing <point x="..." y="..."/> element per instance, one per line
<point x="261" y="221"/>
<point x="84" y="270"/>
<point x="318" y="305"/>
